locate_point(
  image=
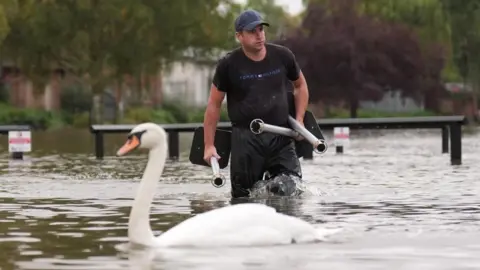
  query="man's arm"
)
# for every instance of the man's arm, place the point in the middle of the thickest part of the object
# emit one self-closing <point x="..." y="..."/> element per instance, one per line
<point x="217" y="94"/>
<point x="301" y="97"/>
<point x="300" y="93"/>
<point x="212" y="114"/>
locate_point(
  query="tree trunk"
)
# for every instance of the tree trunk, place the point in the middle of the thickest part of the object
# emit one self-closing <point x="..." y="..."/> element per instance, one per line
<point x="119" y="97"/>
<point x="354" y="104"/>
<point x="431" y="101"/>
<point x="96" y="112"/>
<point x="98" y="105"/>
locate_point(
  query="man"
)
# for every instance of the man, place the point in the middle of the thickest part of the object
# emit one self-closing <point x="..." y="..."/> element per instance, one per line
<point x="254" y="78"/>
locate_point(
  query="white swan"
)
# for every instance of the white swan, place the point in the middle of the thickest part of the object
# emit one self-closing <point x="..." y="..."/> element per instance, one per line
<point x="237" y="225"/>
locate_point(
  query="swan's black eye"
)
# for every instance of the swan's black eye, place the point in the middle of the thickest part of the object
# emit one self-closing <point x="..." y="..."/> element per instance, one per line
<point x="136" y="134"/>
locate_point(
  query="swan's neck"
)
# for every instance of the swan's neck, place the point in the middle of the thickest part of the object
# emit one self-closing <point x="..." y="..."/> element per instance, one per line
<point x="139" y="230"/>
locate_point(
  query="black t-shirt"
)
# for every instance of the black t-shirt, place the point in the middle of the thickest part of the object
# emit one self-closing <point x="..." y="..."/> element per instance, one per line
<point x="257" y="89"/>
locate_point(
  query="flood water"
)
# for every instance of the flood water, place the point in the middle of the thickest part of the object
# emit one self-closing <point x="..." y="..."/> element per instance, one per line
<point x="397" y="200"/>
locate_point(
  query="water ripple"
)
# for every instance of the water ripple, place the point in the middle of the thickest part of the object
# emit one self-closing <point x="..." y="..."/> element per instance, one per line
<point x="396" y="197"/>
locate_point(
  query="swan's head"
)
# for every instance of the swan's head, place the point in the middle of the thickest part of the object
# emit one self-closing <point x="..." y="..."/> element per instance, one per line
<point x="146" y="135"/>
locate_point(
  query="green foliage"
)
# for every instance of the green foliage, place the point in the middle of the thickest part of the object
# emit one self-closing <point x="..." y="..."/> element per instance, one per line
<point x="364" y="113"/>
<point x="75" y="98"/>
<point x="40" y="119"/>
<point x="451" y="23"/>
<point x="348" y="56"/>
<point x="197" y="115"/>
<point x="426" y="17"/>
<point x="100" y="41"/>
<point x="75" y="104"/>
<point x="142" y="114"/>
<point x="168" y="114"/>
<point x="464" y="20"/>
<point x="180" y="113"/>
<point x="4" y="27"/>
<point x="37" y="119"/>
<point x="80" y="120"/>
<point x="4" y="93"/>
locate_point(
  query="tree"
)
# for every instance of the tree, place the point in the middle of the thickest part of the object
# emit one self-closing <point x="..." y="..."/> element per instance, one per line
<point x="464" y="19"/>
<point x="280" y="21"/>
<point x="101" y="41"/>
<point x="4" y="27"/>
<point x="427" y="18"/>
<point x="352" y="57"/>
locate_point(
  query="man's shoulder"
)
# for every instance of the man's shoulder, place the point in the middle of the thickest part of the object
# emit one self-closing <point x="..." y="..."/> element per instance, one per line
<point x="278" y="48"/>
<point x="229" y="56"/>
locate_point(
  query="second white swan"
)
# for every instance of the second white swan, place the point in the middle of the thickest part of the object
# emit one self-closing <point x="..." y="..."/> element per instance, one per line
<point x="244" y="224"/>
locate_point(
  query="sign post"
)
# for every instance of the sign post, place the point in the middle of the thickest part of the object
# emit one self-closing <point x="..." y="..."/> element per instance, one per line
<point x="19" y="142"/>
<point x="341" y="136"/>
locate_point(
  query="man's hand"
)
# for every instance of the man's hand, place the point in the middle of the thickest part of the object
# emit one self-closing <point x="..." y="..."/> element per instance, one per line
<point x="299" y="137"/>
<point x="210" y="151"/>
<point x="300" y="120"/>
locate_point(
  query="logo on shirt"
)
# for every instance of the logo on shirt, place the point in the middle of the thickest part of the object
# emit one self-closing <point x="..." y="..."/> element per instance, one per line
<point x="260" y="75"/>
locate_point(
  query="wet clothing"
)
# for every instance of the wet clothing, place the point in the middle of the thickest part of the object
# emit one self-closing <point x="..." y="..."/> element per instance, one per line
<point x="252" y="155"/>
<point x="258" y="89"/>
<point x="281" y="184"/>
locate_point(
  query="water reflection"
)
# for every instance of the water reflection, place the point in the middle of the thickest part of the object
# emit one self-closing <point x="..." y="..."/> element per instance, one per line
<point x="398" y="203"/>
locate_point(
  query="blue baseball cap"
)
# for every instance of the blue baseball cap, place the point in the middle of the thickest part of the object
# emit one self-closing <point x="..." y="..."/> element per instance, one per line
<point x="248" y="20"/>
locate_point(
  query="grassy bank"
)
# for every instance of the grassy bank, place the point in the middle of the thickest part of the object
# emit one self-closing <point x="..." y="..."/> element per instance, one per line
<point x="37" y="119"/>
<point x="365" y="113"/>
<point x="169" y="113"/>
<point x="40" y="119"/>
<point x="174" y="114"/>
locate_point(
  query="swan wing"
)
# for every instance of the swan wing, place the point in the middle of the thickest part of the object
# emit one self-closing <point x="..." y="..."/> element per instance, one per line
<point x="239" y="225"/>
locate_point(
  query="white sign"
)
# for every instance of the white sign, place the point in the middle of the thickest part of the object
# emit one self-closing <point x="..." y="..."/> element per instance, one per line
<point x="341" y="136"/>
<point x="19" y="141"/>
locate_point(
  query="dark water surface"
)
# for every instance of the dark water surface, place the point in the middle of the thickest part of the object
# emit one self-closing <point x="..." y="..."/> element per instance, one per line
<point x="399" y="203"/>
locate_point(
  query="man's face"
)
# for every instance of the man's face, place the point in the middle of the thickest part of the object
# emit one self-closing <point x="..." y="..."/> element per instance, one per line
<point x="253" y="40"/>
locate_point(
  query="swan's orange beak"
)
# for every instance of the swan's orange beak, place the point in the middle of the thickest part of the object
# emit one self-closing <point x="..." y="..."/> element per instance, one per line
<point x="129" y="145"/>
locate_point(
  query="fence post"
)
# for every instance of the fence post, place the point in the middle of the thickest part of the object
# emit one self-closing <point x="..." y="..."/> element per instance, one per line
<point x="456" y="144"/>
<point x="173" y="145"/>
<point x="445" y="137"/>
<point x="99" y="148"/>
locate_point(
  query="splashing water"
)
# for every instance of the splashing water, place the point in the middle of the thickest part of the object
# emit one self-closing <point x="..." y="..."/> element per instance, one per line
<point x="284" y="185"/>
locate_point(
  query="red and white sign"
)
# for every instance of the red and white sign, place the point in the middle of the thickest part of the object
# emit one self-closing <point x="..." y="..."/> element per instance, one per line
<point x="19" y="141"/>
<point x="341" y="136"/>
